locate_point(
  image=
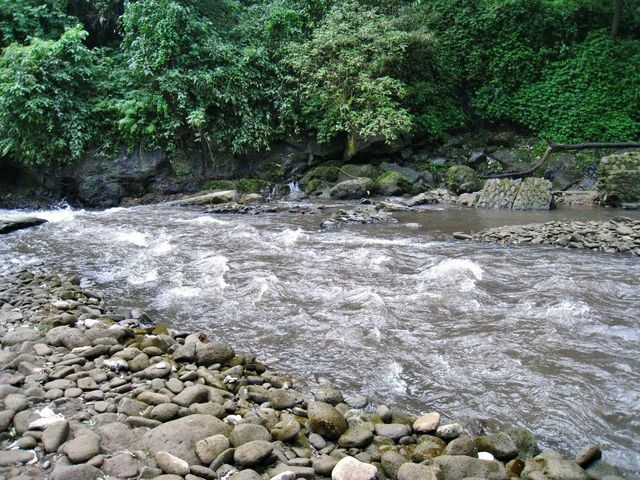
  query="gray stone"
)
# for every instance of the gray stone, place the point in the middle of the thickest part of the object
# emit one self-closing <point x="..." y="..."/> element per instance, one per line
<point x="449" y="431"/>
<point x="190" y="395"/>
<point x="330" y="395"/>
<point x="164" y="412"/>
<point x="6" y="417"/>
<point x="553" y="468"/>
<point x="54" y="436"/>
<point x="208" y="449"/>
<point x="67" y="337"/>
<point x="157" y="370"/>
<point x="391" y="462"/>
<point x="351" y="469"/>
<point x="130" y="407"/>
<point x="463" y="445"/>
<point x="139" y="362"/>
<point x="75" y="472"/>
<point x="356" y="188"/>
<point x="179" y="437"/>
<point x="414" y="471"/>
<point x="246" y="475"/>
<point x="123" y="465"/>
<point x="324" y="464"/>
<point x="15" y="457"/>
<point x="427" y="423"/>
<point x="394" y="431"/>
<point x="286" y="429"/>
<point x="247" y="432"/>
<point x="213" y="352"/>
<point x="356" y="437"/>
<point x="171" y="464"/>
<point x="457" y="467"/>
<point x="326" y="421"/>
<point x="82" y="448"/>
<point x="153" y="398"/>
<point x="252" y="453"/>
<point x="21" y="335"/>
<point x="282" y="399"/>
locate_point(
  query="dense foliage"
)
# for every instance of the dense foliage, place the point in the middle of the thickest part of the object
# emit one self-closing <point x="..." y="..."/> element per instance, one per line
<point x="234" y="75"/>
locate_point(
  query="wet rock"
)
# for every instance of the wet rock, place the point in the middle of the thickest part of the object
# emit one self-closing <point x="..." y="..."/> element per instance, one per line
<point x="457" y="467"/>
<point x="413" y="471"/>
<point x="450" y="431"/>
<point x="208" y="449"/>
<point x="54" y="436"/>
<point x="326" y="421"/>
<point x="246" y="432"/>
<point x="171" y="464"/>
<point x="252" y="453"/>
<point x="427" y="423"/>
<point x="554" y="468"/>
<point x="587" y="455"/>
<point x="213" y="352"/>
<point x="500" y="445"/>
<point x="213" y="198"/>
<point x="356" y="437"/>
<point x="11" y="224"/>
<point x="351" y="469"/>
<point x="179" y="437"/>
<point x="123" y="465"/>
<point x="525" y="442"/>
<point x="463" y="445"/>
<point x="330" y="395"/>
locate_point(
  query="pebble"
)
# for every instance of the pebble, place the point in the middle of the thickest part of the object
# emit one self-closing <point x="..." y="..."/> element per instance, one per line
<point x="171" y="464"/>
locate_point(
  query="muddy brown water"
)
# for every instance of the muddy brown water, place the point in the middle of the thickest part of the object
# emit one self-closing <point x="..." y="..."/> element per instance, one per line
<point x="537" y="337"/>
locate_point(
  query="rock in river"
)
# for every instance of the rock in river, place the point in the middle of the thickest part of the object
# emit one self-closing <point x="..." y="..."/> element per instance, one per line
<point x="326" y="420"/>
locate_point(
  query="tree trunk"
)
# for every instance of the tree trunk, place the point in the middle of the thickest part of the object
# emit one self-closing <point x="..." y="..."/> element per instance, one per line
<point x="615" y="23"/>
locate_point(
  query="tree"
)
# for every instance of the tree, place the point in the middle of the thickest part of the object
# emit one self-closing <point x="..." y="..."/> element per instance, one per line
<point x="341" y="77"/>
<point x="187" y="83"/>
<point x="47" y="92"/>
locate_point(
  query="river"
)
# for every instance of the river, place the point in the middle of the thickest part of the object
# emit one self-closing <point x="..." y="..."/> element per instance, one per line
<point x="537" y="337"/>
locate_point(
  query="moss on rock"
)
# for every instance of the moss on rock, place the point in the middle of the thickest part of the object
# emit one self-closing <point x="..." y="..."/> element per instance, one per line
<point x="392" y="183"/>
<point x="463" y="179"/>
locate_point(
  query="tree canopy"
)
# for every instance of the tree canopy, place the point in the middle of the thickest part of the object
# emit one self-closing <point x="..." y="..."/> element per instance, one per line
<point x="234" y="76"/>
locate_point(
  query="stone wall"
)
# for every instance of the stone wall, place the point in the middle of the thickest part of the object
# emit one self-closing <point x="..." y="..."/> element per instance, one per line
<point x="619" y="180"/>
<point x="529" y="194"/>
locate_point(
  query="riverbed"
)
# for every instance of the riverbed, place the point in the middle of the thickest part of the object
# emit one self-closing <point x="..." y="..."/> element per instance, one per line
<point x="537" y="337"/>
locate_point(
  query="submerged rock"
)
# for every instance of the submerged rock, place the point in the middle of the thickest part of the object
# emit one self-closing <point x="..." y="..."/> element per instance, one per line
<point x="11" y="224"/>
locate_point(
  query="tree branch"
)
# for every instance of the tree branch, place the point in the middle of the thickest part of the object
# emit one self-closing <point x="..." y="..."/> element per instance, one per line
<point x="556" y="147"/>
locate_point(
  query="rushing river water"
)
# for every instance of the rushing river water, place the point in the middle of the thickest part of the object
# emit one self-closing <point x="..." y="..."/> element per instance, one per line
<point x="537" y="337"/>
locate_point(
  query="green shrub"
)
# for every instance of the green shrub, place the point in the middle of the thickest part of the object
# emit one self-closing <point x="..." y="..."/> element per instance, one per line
<point x="219" y="185"/>
<point x="252" y="185"/>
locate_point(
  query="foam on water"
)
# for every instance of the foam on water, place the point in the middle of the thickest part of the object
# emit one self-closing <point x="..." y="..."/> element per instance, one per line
<point x="290" y="237"/>
<point x="133" y="237"/>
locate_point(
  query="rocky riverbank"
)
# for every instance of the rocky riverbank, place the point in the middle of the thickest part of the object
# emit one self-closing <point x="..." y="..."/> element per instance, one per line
<point x="621" y="235"/>
<point x="91" y="392"/>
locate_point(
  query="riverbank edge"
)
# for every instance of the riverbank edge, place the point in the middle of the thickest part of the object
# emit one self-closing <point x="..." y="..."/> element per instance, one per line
<point x="88" y="392"/>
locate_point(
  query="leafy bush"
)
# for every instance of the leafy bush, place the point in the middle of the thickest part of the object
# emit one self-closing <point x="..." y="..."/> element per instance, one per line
<point x="47" y="95"/>
<point x="592" y="94"/>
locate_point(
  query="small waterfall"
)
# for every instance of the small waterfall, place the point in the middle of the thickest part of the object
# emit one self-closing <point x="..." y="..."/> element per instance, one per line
<point x="293" y="186"/>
